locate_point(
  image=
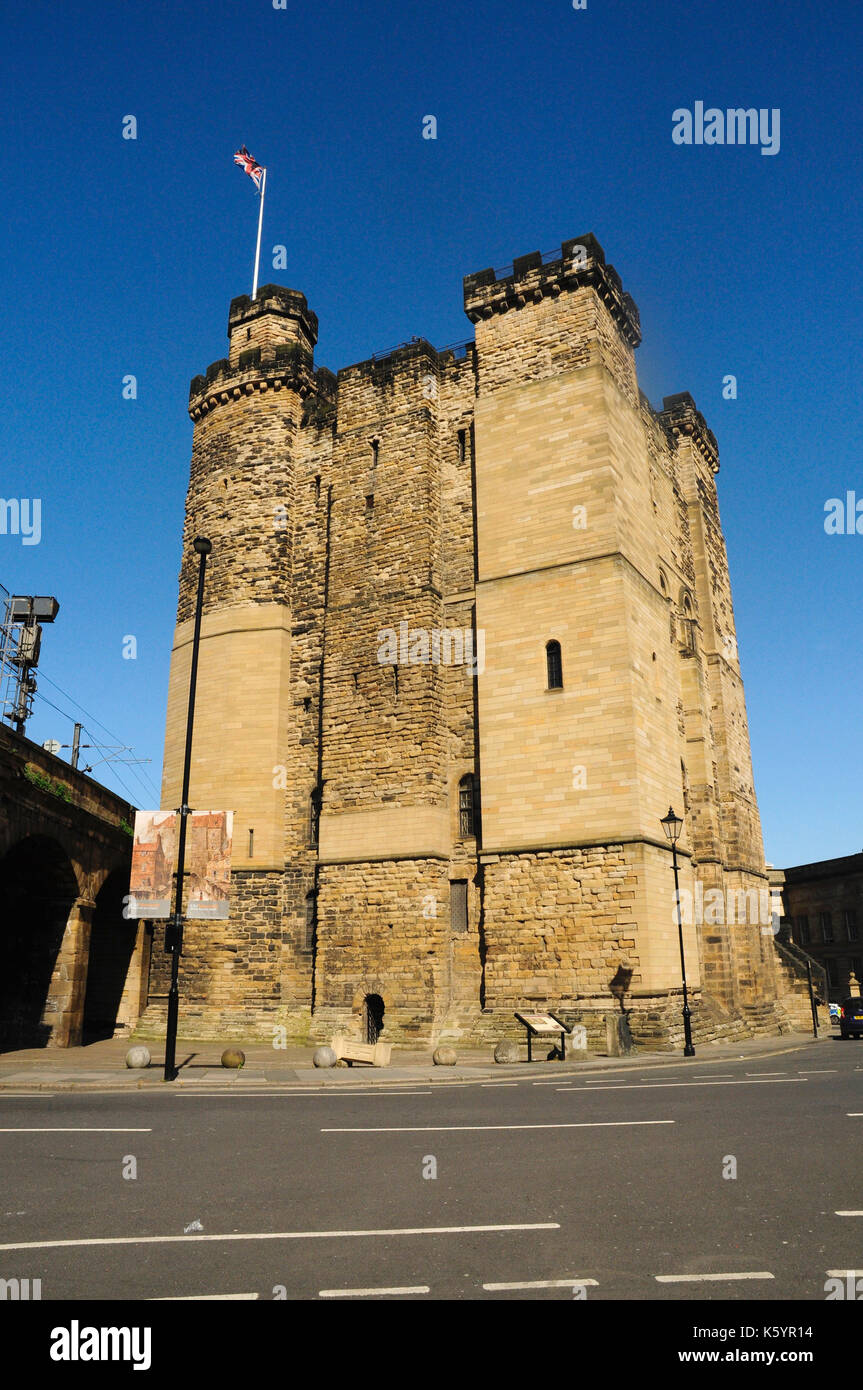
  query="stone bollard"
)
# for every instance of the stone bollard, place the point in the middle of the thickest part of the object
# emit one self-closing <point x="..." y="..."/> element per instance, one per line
<point x="618" y="1036"/>
<point x="444" y="1057"/>
<point x="324" y="1057"/>
<point x="232" y="1057"/>
<point x="137" y="1057"/>
<point x="506" y="1051"/>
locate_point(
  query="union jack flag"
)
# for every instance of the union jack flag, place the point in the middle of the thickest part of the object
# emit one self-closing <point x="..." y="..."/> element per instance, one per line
<point x="251" y="166"/>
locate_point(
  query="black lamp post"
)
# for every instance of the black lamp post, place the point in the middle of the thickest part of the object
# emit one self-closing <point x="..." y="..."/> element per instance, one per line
<point x="672" y="825"/>
<point x="174" y="929"/>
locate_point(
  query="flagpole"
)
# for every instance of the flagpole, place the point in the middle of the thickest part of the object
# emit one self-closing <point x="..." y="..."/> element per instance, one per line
<point x="260" y="225"/>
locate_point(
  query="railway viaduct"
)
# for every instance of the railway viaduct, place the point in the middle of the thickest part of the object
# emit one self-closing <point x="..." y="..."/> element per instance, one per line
<point x="71" y="967"/>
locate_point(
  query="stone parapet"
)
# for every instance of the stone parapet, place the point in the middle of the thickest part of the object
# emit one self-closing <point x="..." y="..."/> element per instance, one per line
<point x="581" y="263"/>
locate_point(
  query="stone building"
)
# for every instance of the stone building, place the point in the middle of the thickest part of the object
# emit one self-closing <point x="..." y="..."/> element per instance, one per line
<point x="823" y="905"/>
<point x="468" y="632"/>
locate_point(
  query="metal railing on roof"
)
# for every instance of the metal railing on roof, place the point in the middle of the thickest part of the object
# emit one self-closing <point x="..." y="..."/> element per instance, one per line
<point x="547" y="256"/>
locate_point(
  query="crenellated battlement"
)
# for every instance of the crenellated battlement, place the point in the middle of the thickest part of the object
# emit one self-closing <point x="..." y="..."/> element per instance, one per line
<point x="532" y="278"/>
<point x="260" y="369"/>
<point x="682" y="417"/>
<point x="274" y="300"/>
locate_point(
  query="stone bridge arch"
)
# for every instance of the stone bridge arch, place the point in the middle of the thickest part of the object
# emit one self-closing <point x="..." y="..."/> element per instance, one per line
<point x="110" y="956"/>
<point x="65" y="854"/>
<point x="40" y="919"/>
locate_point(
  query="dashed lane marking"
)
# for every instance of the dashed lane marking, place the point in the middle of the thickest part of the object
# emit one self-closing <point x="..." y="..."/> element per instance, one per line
<point x="203" y="1297"/>
<point x="710" y="1278"/>
<point x="544" y="1284"/>
<point x="370" y="1293"/>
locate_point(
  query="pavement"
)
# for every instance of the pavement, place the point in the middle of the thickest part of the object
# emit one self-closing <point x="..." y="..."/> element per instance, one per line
<point x="101" y="1065"/>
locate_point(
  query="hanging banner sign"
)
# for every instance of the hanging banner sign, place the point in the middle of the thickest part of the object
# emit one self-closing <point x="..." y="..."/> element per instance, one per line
<point x="154" y="854"/>
<point x="209" y="837"/>
<point x="208" y="856"/>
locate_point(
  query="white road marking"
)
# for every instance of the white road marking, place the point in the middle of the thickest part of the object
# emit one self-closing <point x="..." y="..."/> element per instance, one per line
<point x="324" y="1095"/>
<point x="854" y="1114"/>
<point x="368" y="1293"/>
<point x="766" y="1073"/>
<point x="848" y="1213"/>
<point x="708" y="1076"/>
<point x="818" y="1071"/>
<point x="60" y="1129"/>
<point x="546" y="1284"/>
<point x="203" y="1297"/>
<point x="441" y="1129"/>
<point x="844" y="1273"/>
<point x="708" y="1278"/>
<point x="646" y="1085"/>
<point x="280" y="1235"/>
<point x="497" y="1085"/>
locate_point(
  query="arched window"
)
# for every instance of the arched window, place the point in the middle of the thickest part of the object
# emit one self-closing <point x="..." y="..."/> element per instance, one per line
<point x="554" y="665"/>
<point x="687" y="623"/>
<point x="467" y="806"/>
<point x="314" y="816"/>
<point x="663" y="584"/>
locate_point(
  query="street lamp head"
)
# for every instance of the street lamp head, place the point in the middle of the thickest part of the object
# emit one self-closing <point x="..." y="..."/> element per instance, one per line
<point x="202" y="545"/>
<point x="672" y="825"/>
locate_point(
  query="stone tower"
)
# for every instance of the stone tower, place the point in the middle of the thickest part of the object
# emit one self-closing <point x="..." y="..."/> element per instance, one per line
<point x="468" y="633"/>
<point x="246" y="413"/>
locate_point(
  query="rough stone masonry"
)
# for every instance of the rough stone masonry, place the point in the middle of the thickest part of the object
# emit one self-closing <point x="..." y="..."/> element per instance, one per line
<point x="423" y="843"/>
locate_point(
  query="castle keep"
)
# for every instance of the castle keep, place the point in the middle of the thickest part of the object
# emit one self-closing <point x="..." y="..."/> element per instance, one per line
<point x="467" y="633"/>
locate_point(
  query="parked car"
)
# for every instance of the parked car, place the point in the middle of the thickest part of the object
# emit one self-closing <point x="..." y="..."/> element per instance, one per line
<point x="835" y="1011"/>
<point x="851" y="1018"/>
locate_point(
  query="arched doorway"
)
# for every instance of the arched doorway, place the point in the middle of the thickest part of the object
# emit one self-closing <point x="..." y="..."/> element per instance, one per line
<point x="373" y="1017"/>
<point x="112" y="945"/>
<point x="38" y="890"/>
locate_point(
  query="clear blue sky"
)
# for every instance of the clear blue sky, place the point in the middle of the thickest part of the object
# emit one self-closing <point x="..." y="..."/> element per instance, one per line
<point x="122" y="256"/>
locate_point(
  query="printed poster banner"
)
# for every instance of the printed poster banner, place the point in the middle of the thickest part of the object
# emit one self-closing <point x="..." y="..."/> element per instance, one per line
<point x="154" y="854"/>
<point x="208" y="864"/>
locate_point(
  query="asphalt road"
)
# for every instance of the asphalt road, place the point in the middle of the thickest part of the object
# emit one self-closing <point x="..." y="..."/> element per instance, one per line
<point x="610" y="1186"/>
